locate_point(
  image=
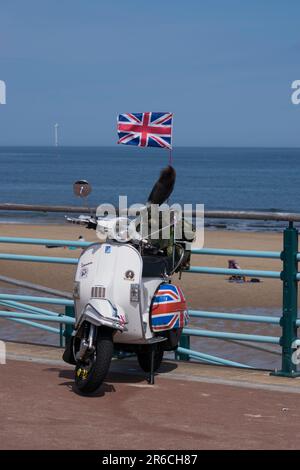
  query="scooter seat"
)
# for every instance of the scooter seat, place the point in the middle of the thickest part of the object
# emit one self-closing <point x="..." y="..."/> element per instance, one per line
<point x="154" y="266"/>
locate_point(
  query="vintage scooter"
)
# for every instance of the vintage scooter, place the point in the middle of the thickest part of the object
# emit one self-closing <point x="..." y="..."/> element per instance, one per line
<point x="124" y="298"/>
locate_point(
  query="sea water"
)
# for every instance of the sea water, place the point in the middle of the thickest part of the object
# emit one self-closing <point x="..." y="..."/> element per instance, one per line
<point x="220" y="178"/>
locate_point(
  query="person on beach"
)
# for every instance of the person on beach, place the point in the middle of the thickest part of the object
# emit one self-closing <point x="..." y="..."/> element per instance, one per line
<point x="232" y="264"/>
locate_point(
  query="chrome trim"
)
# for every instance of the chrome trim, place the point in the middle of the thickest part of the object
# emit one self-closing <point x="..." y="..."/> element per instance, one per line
<point x="106" y="321"/>
<point x="91" y="336"/>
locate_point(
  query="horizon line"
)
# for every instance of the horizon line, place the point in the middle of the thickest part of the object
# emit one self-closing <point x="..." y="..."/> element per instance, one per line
<point x="131" y="147"/>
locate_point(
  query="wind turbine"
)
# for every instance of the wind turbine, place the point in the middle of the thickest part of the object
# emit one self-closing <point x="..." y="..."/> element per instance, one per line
<point x="56" y="135"/>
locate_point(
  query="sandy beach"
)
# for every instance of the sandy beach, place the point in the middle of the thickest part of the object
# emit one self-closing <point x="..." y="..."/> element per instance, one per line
<point x="202" y="291"/>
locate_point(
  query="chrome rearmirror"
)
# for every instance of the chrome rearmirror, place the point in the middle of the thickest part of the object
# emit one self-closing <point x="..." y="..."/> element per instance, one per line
<point x="82" y="188"/>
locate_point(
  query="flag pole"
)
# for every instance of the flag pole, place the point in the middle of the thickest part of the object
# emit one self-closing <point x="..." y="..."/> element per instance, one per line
<point x="171" y="147"/>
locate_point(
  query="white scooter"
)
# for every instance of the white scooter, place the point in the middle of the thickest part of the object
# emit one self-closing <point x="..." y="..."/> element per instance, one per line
<point x="124" y="300"/>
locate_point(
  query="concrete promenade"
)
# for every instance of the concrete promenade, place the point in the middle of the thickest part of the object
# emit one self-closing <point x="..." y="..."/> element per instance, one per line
<point x="191" y="406"/>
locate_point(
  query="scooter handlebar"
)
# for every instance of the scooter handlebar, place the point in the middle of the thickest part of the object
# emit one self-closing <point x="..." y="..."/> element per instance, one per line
<point x="89" y="223"/>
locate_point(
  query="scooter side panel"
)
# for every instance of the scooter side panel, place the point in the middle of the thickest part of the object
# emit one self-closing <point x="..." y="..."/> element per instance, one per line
<point x="169" y="308"/>
<point x="150" y="286"/>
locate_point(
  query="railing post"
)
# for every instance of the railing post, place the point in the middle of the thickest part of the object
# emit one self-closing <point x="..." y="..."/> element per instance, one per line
<point x="69" y="312"/>
<point x="289" y="301"/>
<point x="61" y="336"/>
<point x="184" y="343"/>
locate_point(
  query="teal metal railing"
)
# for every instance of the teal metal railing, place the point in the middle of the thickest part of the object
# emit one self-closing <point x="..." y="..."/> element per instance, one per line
<point x="289" y="277"/>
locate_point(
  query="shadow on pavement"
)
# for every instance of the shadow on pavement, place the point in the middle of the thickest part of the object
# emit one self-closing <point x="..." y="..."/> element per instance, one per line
<point x="128" y="372"/>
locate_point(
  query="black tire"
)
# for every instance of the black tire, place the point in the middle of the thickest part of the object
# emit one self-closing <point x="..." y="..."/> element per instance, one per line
<point x="68" y="355"/>
<point x="89" y="376"/>
<point x="144" y="359"/>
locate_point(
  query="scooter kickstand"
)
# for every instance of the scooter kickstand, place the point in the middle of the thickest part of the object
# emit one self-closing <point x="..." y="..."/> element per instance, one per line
<point x="151" y="377"/>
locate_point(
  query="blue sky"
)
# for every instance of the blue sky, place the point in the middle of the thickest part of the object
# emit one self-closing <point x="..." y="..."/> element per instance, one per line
<point x="224" y="67"/>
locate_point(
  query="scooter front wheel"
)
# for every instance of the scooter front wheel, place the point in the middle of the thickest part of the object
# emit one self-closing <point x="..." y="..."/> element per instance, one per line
<point x="90" y="374"/>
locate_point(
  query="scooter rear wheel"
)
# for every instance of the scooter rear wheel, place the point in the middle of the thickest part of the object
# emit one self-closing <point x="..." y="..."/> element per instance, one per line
<point x="144" y="359"/>
<point x="89" y="375"/>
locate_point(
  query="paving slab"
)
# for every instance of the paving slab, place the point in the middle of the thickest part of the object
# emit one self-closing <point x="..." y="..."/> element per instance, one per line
<point x="191" y="406"/>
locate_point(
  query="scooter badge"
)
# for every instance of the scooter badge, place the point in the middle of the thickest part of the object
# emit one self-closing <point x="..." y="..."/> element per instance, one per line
<point x="129" y="275"/>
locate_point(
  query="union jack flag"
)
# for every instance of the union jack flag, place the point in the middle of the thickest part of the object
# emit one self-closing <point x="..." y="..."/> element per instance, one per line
<point x="145" y="129"/>
<point x="169" y="309"/>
